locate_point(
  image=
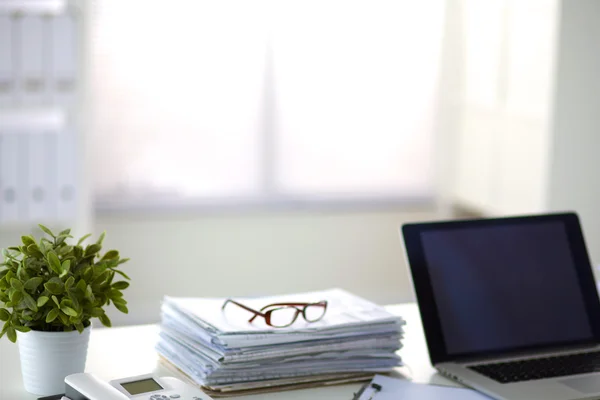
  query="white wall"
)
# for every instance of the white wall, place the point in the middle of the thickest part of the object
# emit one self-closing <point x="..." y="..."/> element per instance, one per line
<point x="259" y="254"/>
<point x="576" y="135"/>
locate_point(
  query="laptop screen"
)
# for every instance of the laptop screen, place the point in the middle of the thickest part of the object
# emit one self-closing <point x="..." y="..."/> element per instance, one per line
<point x="505" y="287"/>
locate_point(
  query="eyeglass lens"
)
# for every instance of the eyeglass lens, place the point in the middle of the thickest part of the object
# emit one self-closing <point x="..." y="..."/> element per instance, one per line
<point x="314" y="312"/>
<point x="283" y="316"/>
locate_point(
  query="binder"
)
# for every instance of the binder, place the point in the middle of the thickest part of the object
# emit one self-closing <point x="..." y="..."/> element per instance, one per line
<point x="41" y="182"/>
<point x="11" y="182"/>
<point x="31" y="84"/>
<point x="63" y="58"/>
<point x="7" y="72"/>
<point x="67" y="167"/>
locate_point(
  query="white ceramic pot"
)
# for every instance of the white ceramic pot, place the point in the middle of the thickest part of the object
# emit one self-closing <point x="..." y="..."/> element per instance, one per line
<point x="48" y="357"/>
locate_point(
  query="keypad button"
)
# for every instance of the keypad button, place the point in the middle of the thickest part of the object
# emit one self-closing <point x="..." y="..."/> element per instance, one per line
<point x="175" y="396"/>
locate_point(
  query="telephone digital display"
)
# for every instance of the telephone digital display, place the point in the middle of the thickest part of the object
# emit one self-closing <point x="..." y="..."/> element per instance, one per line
<point x="142" y="386"/>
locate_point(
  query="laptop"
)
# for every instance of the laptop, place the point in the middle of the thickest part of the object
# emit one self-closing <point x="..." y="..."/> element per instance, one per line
<point x="509" y="305"/>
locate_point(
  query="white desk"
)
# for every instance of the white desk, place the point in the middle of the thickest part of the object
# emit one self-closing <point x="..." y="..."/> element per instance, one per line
<point x="127" y="351"/>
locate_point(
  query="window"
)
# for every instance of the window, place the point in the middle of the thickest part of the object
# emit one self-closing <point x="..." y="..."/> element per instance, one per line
<point x="262" y="101"/>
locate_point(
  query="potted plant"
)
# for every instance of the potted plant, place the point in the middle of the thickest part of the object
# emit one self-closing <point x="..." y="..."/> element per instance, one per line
<point x="49" y="292"/>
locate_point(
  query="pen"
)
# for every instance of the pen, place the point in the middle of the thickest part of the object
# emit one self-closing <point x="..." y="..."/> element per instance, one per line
<point x="376" y="389"/>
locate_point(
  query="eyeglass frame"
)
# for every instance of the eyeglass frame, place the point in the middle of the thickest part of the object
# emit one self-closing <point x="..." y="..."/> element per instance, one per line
<point x="267" y="314"/>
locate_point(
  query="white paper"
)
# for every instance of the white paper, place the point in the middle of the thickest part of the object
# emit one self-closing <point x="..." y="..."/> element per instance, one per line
<point x="394" y="389"/>
<point x="216" y="347"/>
<point x="7" y="73"/>
<point x="41" y="200"/>
<point x="31" y="85"/>
<point x="67" y="167"/>
<point x="63" y="45"/>
<point x="10" y="187"/>
<point x="232" y="328"/>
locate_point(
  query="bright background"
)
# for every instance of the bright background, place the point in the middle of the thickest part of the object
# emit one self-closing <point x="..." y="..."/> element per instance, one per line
<point x="239" y="148"/>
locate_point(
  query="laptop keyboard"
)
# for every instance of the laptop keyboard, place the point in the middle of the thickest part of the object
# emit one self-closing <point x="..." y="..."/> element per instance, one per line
<point x="540" y="368"/>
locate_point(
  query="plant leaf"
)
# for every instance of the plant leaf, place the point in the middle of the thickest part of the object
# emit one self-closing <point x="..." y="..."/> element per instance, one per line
<point x="110" y="255"/>
<point x="74" y="299"/>
<point x="4" y="314"/>
<point x="23" y="329"/>
<point x="46" y="230"/>
<point x="27" y="240"/>
<point x="30" y="302"/>
<point x="119" y="300"/>
<point x="64" y="319"/>
<point x="64" y="250"/>
<point x="69" y="311"/>
<point x="101" y="238"/>
<point x="92" y="249"/>
<point x="4" y="328"/>
<point x="121" y="307"/>
<point x="100" y="278"/>
<point x="69" y="283"/>
<point x="78" y="252"/>
<point x="60" y="239"/>
<point x="17" y="284"/>
<point x="120" y="285"/>
<point x="105" y="320"/>
<point x="96" y="312"/>
<point x="122" y="261"/>
<point x="66" y="265"/>
<point x="33" y="283"/>
<point x="42" y="300"/>
<point x="11" y="334"/>
<point x="54" y="287"/>
<point x="52" y="315"/>
<point x="83" y="239"/>
<point x="81" y="285"/>
<point x="65" y="232"/>
<point x="89" y="294"/>
<point x="16" y="297"/>
<point x="34" y="250"/>
<point x="54" y="262"/>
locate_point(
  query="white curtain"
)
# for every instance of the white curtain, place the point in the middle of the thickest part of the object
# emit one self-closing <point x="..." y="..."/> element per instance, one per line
<point x="198" y="101"/>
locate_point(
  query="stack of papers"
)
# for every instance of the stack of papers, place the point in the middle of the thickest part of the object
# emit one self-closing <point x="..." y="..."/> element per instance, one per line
<point x="221" y="350"/>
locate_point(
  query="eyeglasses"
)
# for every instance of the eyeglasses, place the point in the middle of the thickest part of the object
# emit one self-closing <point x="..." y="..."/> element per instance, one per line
<point x="281" y="315"/>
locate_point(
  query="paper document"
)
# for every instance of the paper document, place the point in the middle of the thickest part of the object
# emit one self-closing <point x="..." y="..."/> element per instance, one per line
<point x="386" y="388"/>
<point x="220" y="348"/>
<point x="345" y="312"/>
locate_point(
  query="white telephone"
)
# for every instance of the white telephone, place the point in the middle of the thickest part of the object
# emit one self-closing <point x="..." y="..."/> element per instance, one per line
<point x="145" y="387"/>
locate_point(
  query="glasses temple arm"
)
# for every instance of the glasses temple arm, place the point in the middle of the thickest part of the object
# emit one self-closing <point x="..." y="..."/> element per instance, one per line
<point x="256" y="313"/>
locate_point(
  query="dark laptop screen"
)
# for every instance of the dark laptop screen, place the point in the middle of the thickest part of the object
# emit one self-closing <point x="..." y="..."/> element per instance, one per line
<point x="504" y="287"/>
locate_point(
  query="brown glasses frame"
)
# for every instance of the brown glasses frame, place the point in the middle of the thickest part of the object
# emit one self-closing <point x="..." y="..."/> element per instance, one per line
<point x="270" y="308"/>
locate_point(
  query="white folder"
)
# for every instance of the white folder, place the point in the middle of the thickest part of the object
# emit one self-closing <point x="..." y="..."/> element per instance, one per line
<point x="12" y="202"/>
<point x="63" y="55"/>
<point x="42" y="177"/>
<point x="32" y="85"/>
<point x="67" y="167"/>
<point x="7" y="72"/>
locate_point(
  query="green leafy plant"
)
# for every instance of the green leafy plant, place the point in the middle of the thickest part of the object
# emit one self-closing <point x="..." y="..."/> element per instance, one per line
<point x="50" y="285"/>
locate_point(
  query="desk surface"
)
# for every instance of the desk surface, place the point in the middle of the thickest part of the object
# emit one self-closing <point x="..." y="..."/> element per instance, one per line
<point x="128" y="351"/>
